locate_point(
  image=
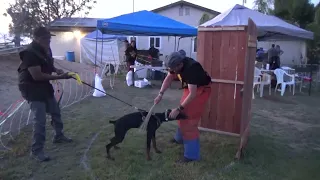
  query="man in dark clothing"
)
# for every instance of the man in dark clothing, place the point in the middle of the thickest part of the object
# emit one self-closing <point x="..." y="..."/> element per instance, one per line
<point x="131" y="54"/>
<point x="35" y="72"/>
<point x="260" y="54"/>
<point x="196" y="84"/>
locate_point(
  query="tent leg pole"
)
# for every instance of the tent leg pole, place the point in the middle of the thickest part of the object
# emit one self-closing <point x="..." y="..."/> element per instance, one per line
<point x="175" y="43"/>
<point x="95" y="56"/>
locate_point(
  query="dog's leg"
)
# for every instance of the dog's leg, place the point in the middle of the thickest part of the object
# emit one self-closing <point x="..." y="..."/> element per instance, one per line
<point x="149" y="137"/>
<point x="154" y="143"/>
<point x="108" y="147"/>
<point x="113" y="143"/>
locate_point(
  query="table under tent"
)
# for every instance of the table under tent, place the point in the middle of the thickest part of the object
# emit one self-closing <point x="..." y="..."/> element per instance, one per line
<point x="136" y="24"/>
<point x="226" y="49"/>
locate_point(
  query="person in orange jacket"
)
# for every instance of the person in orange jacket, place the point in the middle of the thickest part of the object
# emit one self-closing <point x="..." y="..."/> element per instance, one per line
<point x="195" y="82"/>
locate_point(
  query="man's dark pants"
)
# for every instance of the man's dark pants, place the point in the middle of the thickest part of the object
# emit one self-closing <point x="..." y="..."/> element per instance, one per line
<point x="39" y="111"/>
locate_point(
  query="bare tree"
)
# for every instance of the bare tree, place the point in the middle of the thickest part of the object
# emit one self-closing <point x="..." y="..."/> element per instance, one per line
<point x="263" y="6"/>
<point x="28" y="14"/>
<point x="204" y="18"/>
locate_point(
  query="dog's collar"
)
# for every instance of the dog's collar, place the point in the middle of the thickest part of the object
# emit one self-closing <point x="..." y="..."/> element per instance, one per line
<point x="166" y="115"/>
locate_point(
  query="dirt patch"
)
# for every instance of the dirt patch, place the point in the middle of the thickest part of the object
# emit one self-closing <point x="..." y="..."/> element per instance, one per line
<point x="286" y="121"/>
<point x="9" y="92"/>
<point x="278" y="99"/>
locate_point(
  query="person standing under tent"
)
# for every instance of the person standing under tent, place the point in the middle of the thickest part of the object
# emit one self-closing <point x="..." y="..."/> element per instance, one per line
<point x="196" y="84"/>
<point x="35" y="72"/>
<point x="280" y="52"/>
<point x="131" y="55"/>
<point x="273" y="57"/>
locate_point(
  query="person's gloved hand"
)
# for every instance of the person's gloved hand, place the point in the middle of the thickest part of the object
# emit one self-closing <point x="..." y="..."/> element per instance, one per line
<point x="65" y="76"/>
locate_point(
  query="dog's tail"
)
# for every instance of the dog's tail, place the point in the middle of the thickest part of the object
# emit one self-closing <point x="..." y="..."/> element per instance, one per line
<point x="112" y="122"/>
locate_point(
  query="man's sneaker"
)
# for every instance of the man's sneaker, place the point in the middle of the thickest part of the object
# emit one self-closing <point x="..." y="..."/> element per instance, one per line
<point x="61" y="139"/>
<point x="41" y="157"/>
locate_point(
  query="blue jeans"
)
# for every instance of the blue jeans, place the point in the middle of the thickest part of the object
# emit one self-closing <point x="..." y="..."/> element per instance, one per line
<point x="39" y="109"/>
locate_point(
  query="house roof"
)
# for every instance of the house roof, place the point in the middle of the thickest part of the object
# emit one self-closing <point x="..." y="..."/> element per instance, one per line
<point x="75" y="22"/>
<point x="182" y="2"/>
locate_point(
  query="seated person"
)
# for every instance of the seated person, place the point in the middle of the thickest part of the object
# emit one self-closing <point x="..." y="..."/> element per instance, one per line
<point x="153" y="52"/>
<point x="260" y="54"/>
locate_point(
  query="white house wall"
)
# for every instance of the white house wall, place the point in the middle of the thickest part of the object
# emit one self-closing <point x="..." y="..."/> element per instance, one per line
<point x="168" y="43"/>
<point x="293" y="50"/>
<point x="66" y="41"/>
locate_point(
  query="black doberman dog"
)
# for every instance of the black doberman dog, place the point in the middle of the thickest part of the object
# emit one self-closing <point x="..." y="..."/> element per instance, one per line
<point x="134" y="120"/>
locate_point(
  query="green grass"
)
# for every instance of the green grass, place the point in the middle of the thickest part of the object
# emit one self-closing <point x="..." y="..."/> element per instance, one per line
<point x="284" y="144"/>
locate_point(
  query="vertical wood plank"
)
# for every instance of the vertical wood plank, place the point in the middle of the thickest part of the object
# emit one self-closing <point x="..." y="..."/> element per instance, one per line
<point x="229" y="103"/>
<point x="204" y="58"/>
<point x="215" y="73"/>
<point x="241" y="67"/>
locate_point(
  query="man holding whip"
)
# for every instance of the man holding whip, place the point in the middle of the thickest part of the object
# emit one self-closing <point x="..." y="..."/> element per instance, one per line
<point x="35" y="72"/>
<point x="196" y="92"/>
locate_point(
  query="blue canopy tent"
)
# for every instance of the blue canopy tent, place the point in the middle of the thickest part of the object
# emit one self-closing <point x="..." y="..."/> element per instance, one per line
<point x="145" y="23"/>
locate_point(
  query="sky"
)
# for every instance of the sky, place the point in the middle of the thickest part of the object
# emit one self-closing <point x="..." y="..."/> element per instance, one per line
<point x="105" y="9"/>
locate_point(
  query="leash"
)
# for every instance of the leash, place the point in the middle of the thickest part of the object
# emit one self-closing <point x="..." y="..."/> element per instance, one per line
<point x="145" y="120"/>
<point x="77" y="78"/>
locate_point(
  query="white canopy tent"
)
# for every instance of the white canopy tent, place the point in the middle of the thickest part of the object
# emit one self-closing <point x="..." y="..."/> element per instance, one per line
<point x="269" y="27"/>
<point x="109" y="49"/>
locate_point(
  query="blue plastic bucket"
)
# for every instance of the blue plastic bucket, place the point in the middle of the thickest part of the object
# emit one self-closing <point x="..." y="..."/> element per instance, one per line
<point x="70" y="56"/>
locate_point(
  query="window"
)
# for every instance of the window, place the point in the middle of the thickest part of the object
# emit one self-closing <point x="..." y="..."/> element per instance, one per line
<point x="187" y="13"/>
<point x="194" y="45"/>
<point x="181" y="11"/>
<point x="155" y="41"/>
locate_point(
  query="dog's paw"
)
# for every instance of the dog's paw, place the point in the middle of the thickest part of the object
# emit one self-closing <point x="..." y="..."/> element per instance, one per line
<point x="109" y="157"/>
<point x="158" y="151"/>
<point x="149" y="158"/>
<point x="116" y="147"/>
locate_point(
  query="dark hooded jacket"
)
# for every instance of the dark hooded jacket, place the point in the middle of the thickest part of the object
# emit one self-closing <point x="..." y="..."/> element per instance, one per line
<point x="32" y="90"/>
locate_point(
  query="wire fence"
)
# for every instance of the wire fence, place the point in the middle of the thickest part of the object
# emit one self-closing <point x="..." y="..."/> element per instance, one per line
<point x="18" y="114"/>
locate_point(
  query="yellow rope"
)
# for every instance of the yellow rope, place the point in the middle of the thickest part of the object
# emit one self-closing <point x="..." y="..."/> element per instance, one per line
<point x="76" y="76"/>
